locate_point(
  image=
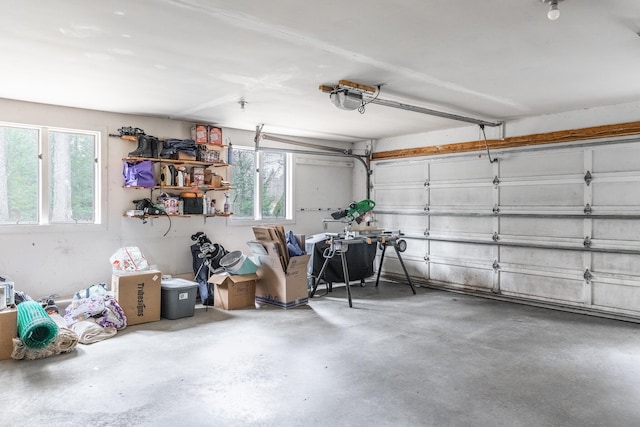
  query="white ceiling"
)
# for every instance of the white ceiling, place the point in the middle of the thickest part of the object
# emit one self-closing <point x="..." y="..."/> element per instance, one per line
<point x="195" y="59"/>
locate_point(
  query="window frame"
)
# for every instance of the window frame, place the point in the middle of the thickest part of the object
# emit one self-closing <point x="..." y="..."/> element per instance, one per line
<point x="44" y="223"/>
<point x="258" y="197"/>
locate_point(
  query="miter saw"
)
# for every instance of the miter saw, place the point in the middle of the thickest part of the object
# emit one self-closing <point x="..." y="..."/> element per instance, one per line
<point x="355" y="212"/>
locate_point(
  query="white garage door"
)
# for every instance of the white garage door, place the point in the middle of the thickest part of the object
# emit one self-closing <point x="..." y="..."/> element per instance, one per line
<point x="557" y="225"/>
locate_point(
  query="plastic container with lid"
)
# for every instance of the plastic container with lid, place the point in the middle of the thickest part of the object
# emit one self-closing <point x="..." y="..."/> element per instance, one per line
<point x="178" y="298"/>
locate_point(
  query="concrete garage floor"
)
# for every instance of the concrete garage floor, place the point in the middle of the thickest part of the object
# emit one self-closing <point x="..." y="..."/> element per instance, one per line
<point x="395" y="359"/>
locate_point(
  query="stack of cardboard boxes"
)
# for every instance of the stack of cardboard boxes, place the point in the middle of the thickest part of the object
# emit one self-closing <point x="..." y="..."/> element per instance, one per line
<point x="280" y="280"/>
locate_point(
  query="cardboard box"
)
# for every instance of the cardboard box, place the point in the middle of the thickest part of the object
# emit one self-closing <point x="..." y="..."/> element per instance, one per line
<point x="210" y="178"/>
<point x="234" y="291"/>
<point x="271" y="248"/>
<point x="197" y="176"/>
<point x="138" y="294"/>
<point x="215" y="135"/>
<point x="264" y="233"/>
<point x="181" y="155"/>
<point x="279" y="288"/>
<point x="199" y="134"/>
<point x="274" y="233"/>
<point x="8" y="331"/>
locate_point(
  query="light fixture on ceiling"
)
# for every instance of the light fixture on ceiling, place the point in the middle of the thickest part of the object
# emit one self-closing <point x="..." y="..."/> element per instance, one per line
<point x="242" y="103"/>
<point x="346" y="99"/>
<point x="554" y="12"/>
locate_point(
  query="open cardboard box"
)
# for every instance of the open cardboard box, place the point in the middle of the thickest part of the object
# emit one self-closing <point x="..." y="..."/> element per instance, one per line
<point x="277" y="285"/>
<point x="283" y="279"/>
<point x="234" y="291"/>
<point x="279" y="288"/>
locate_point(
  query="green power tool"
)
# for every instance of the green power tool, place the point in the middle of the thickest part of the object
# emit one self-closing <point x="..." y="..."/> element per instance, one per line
<point x="355" y="211"/>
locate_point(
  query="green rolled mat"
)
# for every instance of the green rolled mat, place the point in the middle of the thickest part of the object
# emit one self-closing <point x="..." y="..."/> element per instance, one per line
<point x="36" y="328"/>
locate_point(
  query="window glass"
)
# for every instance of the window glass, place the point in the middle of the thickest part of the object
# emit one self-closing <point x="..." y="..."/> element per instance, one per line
<point x="243" y="177"/>
<point x="72" y="177"/>
<point x="48" y="176"/>
<point x="19" y="179"/>
<point x="273" y="173"/>
<point x="259" y="184"/>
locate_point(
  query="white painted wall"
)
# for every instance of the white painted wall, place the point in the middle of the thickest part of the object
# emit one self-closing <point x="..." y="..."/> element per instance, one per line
<point x="61" y="260"/>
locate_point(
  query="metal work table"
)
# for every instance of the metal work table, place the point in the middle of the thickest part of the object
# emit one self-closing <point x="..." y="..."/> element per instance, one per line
<point x="340" y="245"/>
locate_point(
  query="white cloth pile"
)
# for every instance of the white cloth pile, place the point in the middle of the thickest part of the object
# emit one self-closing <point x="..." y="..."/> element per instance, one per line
<point x="94" y="315"/>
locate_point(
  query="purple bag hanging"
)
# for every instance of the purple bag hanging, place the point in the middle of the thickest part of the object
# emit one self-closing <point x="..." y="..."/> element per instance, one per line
<point x="139" y="174"/>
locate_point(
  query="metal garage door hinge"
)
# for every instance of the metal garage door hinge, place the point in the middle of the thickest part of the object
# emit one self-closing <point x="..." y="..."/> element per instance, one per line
<point x="496" y="266"/>
<point x="426" y="183"/>
<point x="587" y="276"/>
<point x="496" y="210"/>
<point x="587" y="242"/>
<point x="587" y="209"/>
<point x="426" y="232"/>
<point x="496" y="181"/>
<point x="495" y="237"/>
<point x="588" y="178"/>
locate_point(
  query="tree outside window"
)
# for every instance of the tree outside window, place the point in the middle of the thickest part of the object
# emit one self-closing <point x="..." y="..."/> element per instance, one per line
<point x="18" y="175"/>
<point x="67" y="194"/>
<point x="72" y="174"/>
<point x="259" y="184"/>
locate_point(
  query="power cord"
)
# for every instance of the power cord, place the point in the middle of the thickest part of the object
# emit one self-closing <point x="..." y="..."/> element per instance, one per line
<point x="486" y="144"/>
<point x="361" y="108"/>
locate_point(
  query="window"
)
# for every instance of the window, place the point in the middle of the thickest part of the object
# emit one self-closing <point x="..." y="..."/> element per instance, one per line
<point x="48" y="176"/>
<point x="261" y="184"/>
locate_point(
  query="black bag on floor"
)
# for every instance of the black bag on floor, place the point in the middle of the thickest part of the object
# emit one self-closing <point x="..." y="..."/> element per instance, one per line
<point x="206" y="259"/>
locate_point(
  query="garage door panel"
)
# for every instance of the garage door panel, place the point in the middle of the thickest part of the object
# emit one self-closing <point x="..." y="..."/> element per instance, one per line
<point x="462" y="251"/>
<point x="623" y="230"/>
<point x="542" y="287"/>
<point x="404" y="172"/>
<point x="542" y="227"/>
<point x="542" y="258"/>
<point x="456" y="196"/>
<point x="401" y="198"/>
<point x="544" y="180"/>
<point x="408" y="224"/>
<point x="416" y="248"/>
<point x="615" y="263"/>
<point x="616" y="194"/>
<point x="461" y="170"/>
<point x="616" y="296"/>
<point x="541" y="164"/>
<point x="415" y="267"/>
<point x="464" y="276"/>
<point x="563" y="194"/>
<point x="461" y="224"/>
<point x="622" y="158"/>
